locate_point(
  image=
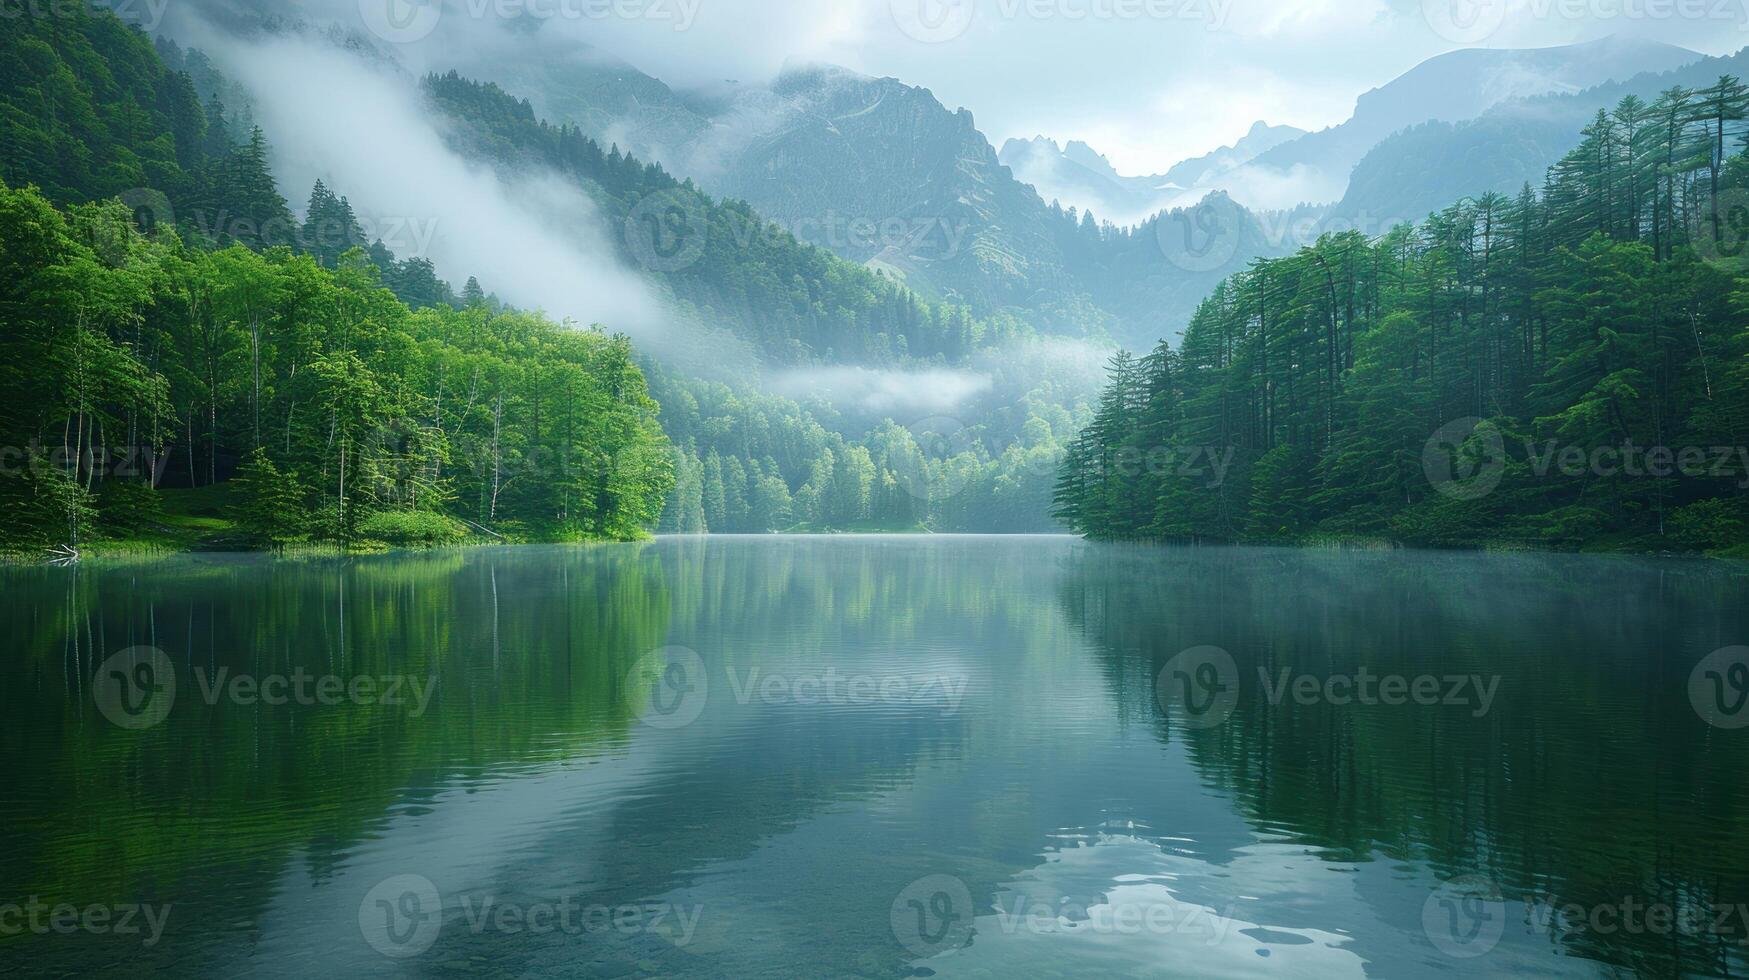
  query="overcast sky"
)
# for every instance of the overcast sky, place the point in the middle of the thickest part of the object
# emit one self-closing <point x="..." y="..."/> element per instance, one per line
<point x="1148" y="82"/>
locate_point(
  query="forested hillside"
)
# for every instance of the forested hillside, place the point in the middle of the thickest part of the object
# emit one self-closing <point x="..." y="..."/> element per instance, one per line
<point x="724" y="263"/>
<point x="193" y="331"/>
<point x="249" y="351"/>
<point x="1425" y="167"/>
<point x="1567" y="370"/>
<point x="748" y="461"/>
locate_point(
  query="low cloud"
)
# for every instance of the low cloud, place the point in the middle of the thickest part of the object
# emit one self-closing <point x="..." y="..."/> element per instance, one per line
<point x="878" y="392"/>
<point x="363" y="128"/>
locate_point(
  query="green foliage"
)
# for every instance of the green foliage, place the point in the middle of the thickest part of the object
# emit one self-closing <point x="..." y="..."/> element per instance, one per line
<point x="129" y="507"/>
<point x="1589" y="325"/>
<point x="1710" y="524"/>
<point x="268" y="507"/>
<point x="89" y="110"/>
<point x="747" y="462"/>
<point x="412" y="527"/>
<point x="341" y="397"/>
<point x="43" y="504"/>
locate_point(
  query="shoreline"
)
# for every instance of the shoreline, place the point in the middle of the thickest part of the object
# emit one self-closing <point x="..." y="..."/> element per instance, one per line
<point x="135" y="551"/>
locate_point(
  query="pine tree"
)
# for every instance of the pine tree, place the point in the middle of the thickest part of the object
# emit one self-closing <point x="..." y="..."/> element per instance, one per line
<point x="269" y="508"/>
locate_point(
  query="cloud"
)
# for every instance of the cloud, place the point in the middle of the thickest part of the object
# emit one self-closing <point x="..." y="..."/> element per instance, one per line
<point x="902" y="395"/>
<point x="1262" y="188"/>
<point x="536" y="239"/>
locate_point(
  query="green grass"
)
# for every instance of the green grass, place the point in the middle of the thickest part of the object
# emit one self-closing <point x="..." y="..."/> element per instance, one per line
<point x="193" y="520"/>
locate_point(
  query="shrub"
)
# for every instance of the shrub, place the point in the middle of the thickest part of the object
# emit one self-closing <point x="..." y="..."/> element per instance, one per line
<point x="269" y="505"/>
<point x="412" y="527"/>
<point x="128" y="506"/>
<point x="39" y="504"/>
<point x="1709" y="525"/>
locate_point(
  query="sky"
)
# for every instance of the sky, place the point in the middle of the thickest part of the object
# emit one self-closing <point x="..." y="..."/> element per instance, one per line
<point x="1147" y="82"/>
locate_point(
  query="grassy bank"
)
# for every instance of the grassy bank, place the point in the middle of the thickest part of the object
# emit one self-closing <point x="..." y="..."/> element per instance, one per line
<point x="199" y="520"/>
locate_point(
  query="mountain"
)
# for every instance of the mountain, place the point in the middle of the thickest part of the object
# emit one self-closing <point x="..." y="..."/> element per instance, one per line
<point x="1077" y="175"/>
<point x="1427" y="167"/>
<point x="608" y="99"/>
<point x="1260" y="140"/>
<point x="881" y="173"/>
<point x="1452" y="88"/>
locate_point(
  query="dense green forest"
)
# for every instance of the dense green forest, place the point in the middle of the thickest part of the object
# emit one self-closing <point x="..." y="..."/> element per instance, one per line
<point x="1597" y="332"/>
<point x="134" y="361"/>
<point x="142" y="353"/>
<point x="234" y="332"/>
<point x="749" y="462"/>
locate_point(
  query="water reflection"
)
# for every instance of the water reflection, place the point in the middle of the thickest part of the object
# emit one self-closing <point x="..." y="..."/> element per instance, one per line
<point x="868" y="715"/>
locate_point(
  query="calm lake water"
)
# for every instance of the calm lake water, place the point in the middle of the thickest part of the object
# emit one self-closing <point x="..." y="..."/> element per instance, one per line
<point x="876" y="757"/>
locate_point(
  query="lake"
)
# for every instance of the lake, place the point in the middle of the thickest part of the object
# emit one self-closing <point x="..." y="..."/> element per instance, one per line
<point x="880" y="757"/>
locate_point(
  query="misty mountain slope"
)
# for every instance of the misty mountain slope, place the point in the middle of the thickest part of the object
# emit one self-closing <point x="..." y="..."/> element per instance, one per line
<point x="1077" y="175"/>
<point x="1154" y="277"/>
<point x="1452" y="87"/>
<point x="874" y="171"/>
<point x="612" y="102"/>
<point x="721" y="260"/>
<point x="1260" y="140"/>
<point x="825" y="147"/>
<point x="1425" y="168"/>
<point x="926" y="194"/>
<point x="933" y="203"/>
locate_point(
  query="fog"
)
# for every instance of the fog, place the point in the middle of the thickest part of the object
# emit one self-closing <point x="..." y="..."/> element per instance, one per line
<point x="1265" y="188"/>
<point x="861" y="391"/>
<point x="360" y="125"/>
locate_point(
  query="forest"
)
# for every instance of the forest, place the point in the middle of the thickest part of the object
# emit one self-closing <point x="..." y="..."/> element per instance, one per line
<point x="136" y="362"/>
<point x="1565" y="369"/>
<point x="274" y="380"/>
<point x="275" y="357"/>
